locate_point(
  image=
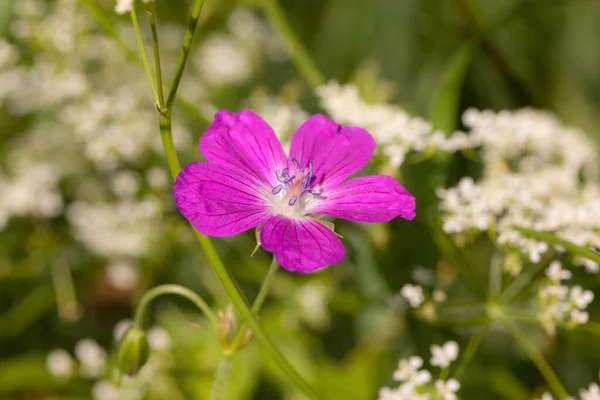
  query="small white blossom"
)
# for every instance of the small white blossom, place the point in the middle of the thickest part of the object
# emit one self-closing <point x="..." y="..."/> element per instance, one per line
<point x="581" y="298"/>
<point x="413" y="294"/>
<point x="158" y="338"/>
<point x="122" y="275"/>
<point x="555" y="272"/>
<point x="120" y="329"/>
<point x="91" y="357"/>
<point x="447" y="389"/>
<point x="124" y="6"/>
<point x="592" y="393"/>
<point x="60" y="364"/>
<point x="443" y="356"/>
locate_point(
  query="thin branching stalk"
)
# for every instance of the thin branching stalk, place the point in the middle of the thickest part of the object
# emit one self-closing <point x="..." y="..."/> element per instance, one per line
<point x="178" y="290"/>
<point x="569" y="246"/>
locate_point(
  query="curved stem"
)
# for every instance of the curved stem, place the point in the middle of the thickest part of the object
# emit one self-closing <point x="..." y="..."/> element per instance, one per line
<point x="175" y="290"/>
<point x="538" y="359"/>
<point x="221" y="378"/>
<point x="300" y="55"/>
<point x="551" y="238"/>
<point x="469" y="352"/>
<point x="258" y="302"/>
<point x="140" y="42"/>
<point x="185" y="51"/>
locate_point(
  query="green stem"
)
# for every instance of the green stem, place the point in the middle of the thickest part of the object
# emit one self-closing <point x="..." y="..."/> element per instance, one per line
<point x="258" y="302"/>
<point x="538" y="359"/>
<point x="301" y="57"/>
<point x="109" y="29"/>
<point x="140" y="42"/>
<point x="520" y="283"/>
<point x="159" y="86"/>
<point x="469" y="353"/>
<point x="166" y="136"/>
<point x="221" y="378"/>
<point x="176" y="290"/>
<point x="551" y="238"/>
<point x="185" y="51"/>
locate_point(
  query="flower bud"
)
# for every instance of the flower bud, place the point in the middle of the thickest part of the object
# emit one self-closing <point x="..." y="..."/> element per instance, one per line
<point x="133" y="351"/>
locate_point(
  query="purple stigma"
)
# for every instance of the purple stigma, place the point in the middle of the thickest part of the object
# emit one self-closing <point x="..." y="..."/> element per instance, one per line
<point x="293" y="200"/>
<point x="277" y="189"/>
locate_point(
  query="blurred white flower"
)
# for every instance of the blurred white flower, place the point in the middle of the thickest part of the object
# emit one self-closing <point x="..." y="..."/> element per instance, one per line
<point x="60" y="364"/>
<point x="124" y="6"/>
<point x="223" y="60"/>
<point x="120" y="329"/>
<point x="555" y="273"/>
<point x="413" y="294"/>
<point x="443" y="356"/>
<point x="592" y="393"/>
<point x="91" y="357"/>
<point x="447" y="389"/>
<point x="159" y="338"/>
<point x="122" y="275"/>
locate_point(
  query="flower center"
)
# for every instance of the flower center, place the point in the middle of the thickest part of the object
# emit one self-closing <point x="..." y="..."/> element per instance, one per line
<point x="296" y="189"/>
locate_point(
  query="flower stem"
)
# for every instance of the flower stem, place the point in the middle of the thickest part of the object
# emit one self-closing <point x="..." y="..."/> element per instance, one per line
<point x="166" y="135"/>
<point x="520" y="283"/>
<point x="221" y="378"/>
<point x="176" y="290"/>
<point x="258" y="302"/>
<point x="300" y="55"/>
<point x="551" y="238"/>
<point x="185" y="51"/>
<point x="158" y="69"/>
<point x="145" y="62"/>
<point x="534" y="354"/>
<point x="469" y="353"/>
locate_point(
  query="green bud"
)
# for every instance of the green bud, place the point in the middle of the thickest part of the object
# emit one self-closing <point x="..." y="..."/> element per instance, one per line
<point x="134" y="351"/>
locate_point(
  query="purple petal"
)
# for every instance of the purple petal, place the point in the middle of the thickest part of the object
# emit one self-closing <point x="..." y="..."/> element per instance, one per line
<point x="301" y="245"/>
<point x="219" y="200"/>
<point x="245" y="141"/>
<point x="337" y="152"/>
<point x="367" y="199"/>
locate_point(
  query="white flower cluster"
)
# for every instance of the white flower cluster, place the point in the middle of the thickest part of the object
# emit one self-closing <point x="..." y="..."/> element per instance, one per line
<point x="231" y="57"/>
<point x="91" y="361"/>
<point x="532" y="179"/>
<point x="557" y="303"/>
<point x="416" y="383"/>
<point x="395" y="131"/>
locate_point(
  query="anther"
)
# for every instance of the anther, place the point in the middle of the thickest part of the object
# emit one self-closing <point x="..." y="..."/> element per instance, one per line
<point x="314" y="192"/>
<point x="307" y="180"/>
<point x="289" y="179"/>
<point x="293" y="200"/>
<point x="285" y="172"/>
<point x="280" y="176"/>
<point x="296" y="163"/>
<point x="277" y="189"/>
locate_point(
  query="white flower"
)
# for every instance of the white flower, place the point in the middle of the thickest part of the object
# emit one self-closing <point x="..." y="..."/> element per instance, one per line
<point x="159" y="338"/>
<point x="60" y="364"/>
<point x="124" y="6"/>
<point x="447" y="389"/>
<point x="555" y="272"/>
<point x="579" y="317"/>
<point x="223" y="60"/>
<point x="546" y="396"/>
<point x="581" y="298"/>
<point x="120" y="329"/>
<point x="592" y="393"/>
<point x="409" y="371"/>
<point x="444" y="356"/>
<point x="413" y="294"/>
<point x="92" y="358"/>
<point x="122" y="275"/>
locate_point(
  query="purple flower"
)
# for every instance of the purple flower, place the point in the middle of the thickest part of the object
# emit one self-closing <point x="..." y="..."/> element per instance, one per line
<point x="248" y="181"/>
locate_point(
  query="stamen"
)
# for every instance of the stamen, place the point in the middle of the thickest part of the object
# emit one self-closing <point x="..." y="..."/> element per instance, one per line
<point x="285" y="172"/>
<point x="315" y="193"/>
<point x="307" y="180"/>
<point x="311" y="165"/>
<point x="277" y="189"/>
<point x="288" y="180"/>
<point x="296" y="163"/>
<point x="293" y="200"/>
<point x="280" y="176"/>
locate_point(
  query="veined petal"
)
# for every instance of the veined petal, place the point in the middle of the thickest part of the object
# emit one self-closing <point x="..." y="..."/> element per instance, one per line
<point x="301" y="244"/>
<point x="219" y="200"/>
<point x="336" y="152"/>
<point x="246" y="141"/>
<point x="367" y="199"/>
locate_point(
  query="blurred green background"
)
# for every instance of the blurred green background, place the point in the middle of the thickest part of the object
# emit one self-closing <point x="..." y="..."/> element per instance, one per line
<point x="76" y="114"/>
